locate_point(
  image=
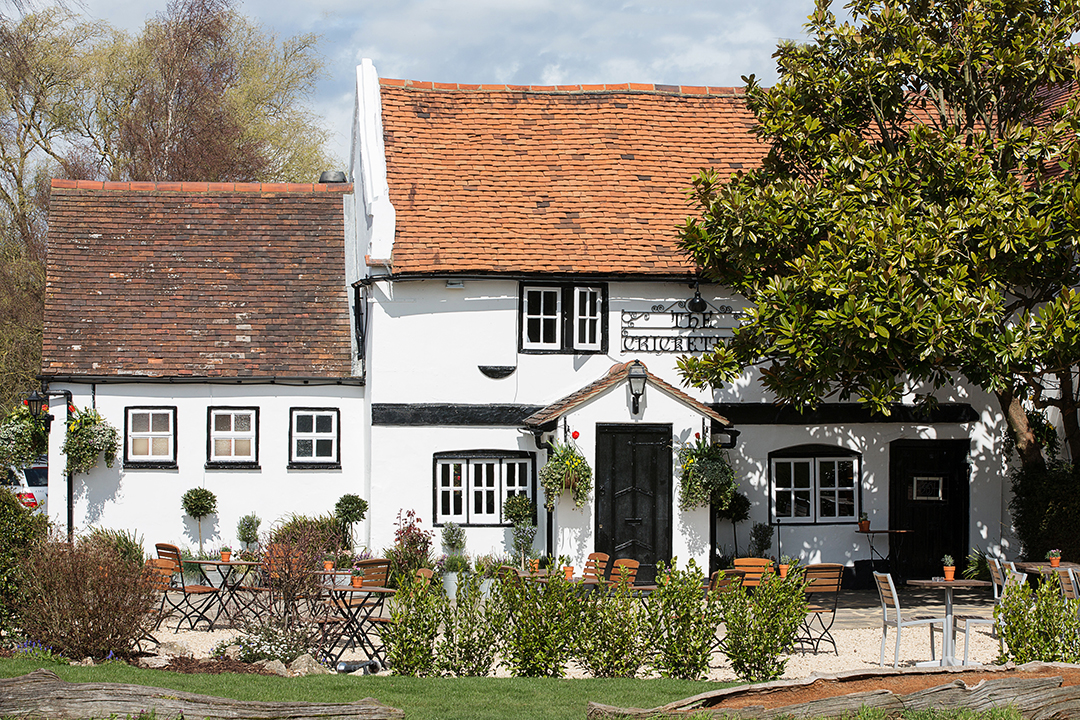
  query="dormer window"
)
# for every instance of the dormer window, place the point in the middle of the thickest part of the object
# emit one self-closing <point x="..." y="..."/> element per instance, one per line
<point x="563" y="318"/>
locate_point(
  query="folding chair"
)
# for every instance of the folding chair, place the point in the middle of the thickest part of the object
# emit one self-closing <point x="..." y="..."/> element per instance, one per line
<point x="721" y="582"/>
<point x="595" y="570"/>
<point x="160" y="571"/>
<point x="197" y="599"/>
<point x="890" y="603"/>
<point x="1067" y="580"/>
<point x="822" y="594"/>
<point x="623" y="571"/>
<point x="753" y="569"/>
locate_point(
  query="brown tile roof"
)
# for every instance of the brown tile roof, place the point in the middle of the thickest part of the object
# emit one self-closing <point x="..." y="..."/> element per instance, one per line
<point x="196" y="279"/>
<point x="617" y="374"/>
<point x="574" y="179"/>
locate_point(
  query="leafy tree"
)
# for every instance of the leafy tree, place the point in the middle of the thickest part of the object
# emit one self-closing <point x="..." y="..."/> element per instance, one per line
<point x="203" y="94"/>
<point x="916" y="214"/>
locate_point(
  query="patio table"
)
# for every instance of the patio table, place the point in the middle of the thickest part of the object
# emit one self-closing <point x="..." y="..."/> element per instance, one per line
<point x="360" y="608"/>
<point x="948" y="650"/>
<point x="228" y="588"/>
<point x="892" y="559"/>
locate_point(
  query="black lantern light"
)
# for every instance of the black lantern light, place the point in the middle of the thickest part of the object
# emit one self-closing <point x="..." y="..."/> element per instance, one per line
<point x="637" y="376"/>
<point x="36" y="402"/>
<point x="697" y="303"/>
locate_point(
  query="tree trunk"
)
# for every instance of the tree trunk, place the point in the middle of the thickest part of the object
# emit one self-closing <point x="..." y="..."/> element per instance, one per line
<point x="1027" y="447"/>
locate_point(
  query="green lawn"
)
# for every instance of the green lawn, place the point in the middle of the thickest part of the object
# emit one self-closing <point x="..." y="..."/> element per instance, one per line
<point x="432" y="698"/>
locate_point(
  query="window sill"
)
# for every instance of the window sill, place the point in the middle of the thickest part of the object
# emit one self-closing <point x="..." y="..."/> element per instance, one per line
<point x="314" y="466"/>
<point x="560" y="351"/>
<point x="441" y="523"/>
<point x="232" y="466"/>
<point x="150" y="465"/>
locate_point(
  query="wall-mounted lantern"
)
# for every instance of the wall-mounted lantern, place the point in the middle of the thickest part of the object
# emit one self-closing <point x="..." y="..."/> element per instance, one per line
<point x="637" y="376"/>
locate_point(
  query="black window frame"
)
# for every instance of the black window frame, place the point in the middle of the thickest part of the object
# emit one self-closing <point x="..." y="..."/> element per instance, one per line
<point x="816" y="453"/>
<point x="467" y="455"/>
<point x="566" y="319"/>
<point x="212" y="464"/>
<point x="335" y="464"/>
<point x="131" y="464"/>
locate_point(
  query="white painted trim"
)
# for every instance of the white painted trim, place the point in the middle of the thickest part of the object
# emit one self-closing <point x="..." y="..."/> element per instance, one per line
<point x="369" y="162"/>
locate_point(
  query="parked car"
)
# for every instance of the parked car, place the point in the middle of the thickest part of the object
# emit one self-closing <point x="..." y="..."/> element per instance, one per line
<point x="30" y="485"/>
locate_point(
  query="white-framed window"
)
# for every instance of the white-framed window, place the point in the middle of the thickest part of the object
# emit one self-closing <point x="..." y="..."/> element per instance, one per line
<point x="587" y="318"/>
<point x="150" y="437"/>
<point x="232" y="436"/>
<point x="470" y="488"/>
<point x="314" y="437"/>
<point x="563" y="318"/>
<point x="542" y="319"/>
<point x="815" y="489"/>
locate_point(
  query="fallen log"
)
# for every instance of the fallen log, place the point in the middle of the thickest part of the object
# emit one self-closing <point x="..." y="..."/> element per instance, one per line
<point x="42" y="694"/>
<point x="1037" y="698"/>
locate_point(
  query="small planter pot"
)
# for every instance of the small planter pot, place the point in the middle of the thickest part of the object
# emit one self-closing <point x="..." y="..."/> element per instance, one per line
<point x="226" y="556"/>
<point x="568" y="572"/>
<point x="950" y="572"/>
<point x="864" y="526"/>
<point x="328" y="565"/>
<point x="449" y="583"/>
<point x="1055" y="561"/>
<point x="783" y="570"/>
<point x="357" y="580"/>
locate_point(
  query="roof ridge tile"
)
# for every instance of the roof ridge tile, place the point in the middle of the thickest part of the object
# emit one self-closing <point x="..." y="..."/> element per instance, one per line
<point x="582" y="88"/>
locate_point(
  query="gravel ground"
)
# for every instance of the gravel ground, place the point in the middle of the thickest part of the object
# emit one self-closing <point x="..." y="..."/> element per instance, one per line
<point x="858" y="649"/>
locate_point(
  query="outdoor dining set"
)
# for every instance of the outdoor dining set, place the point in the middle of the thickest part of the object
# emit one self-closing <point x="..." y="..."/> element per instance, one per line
<point x="351" y="615"/>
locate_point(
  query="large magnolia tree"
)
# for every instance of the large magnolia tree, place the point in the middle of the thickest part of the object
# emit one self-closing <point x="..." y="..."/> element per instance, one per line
<point x="916" y="217"/>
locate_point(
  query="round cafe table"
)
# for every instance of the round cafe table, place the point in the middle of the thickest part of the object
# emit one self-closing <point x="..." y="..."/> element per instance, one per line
<point x="948" y="650"/>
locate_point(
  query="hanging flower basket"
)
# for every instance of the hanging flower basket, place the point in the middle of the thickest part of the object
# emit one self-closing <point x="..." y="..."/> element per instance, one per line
<point x="22" y="439"/>
<point x="566" y="469"/>
<point x="707" y="476"/>
<point x="89" y="436"/>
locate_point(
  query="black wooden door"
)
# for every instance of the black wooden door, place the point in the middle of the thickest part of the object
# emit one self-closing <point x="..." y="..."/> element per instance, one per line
<point x="633" y="494"/>
<point x="929" y="495"/>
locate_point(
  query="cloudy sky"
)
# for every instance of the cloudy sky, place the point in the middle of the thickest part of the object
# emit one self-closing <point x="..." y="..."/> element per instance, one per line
<point x="520" y="42"/>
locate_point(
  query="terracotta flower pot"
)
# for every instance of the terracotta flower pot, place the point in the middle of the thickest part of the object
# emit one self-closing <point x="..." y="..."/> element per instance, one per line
<point x="950" y="572"/>
<point x="864" y="526"/>
<point x="568" y="572"/>
<point x="357" y="580"/>
<point x="225" y="555"/>
<point x="783" y="570"/>
<point x="328" y="565"/>
<point x="1055" y="561"/>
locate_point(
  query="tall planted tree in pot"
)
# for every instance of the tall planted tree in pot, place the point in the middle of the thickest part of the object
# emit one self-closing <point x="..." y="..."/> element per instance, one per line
<point x="198" y="503"/>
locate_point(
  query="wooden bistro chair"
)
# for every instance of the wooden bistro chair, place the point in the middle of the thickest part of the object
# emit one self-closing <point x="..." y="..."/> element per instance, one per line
<point x="753" y="569"/>
<point x="721" y="582"/>
<point x="160" y="572"/>
<point x="595" y="572"/>
<point x="822" y="594"/>
<point x="891" y="615"/>
<point x="623" y="571"/>
<point x="195" y="600"/>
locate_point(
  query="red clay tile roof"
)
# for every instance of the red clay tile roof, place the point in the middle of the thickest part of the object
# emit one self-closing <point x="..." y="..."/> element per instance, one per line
<point x="196" y="279"/>
<point x="563" y="179"/>
<point x="617" y="374"/>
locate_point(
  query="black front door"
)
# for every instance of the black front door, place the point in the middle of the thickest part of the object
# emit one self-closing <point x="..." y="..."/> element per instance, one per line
<point x="928" y="495"/>
<point x="633" y="494"/>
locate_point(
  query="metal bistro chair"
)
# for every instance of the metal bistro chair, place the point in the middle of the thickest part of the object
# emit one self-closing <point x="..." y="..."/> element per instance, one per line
<point x="891" y="605"/>
<point x="822" y="593"/>
<point x="1013" y="579"/>
<point x="197" y="599"/>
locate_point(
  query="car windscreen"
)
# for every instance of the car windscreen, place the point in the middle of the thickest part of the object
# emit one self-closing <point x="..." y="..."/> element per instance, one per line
<point x="37" y="477"/>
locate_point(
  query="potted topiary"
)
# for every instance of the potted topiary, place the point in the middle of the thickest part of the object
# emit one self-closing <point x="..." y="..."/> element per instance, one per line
<point x="247" y="530"/>
<point x="349" y="510"/>
<point x="455" y="562"/>
<point x="198" y="503"/>
<point x="1054" y="556"/>
<point x="949" y="567"/>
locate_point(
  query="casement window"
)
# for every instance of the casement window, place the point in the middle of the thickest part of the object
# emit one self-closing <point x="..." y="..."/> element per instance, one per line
<point x="563" y="318"/>
<point x="470" y="487"/>
<point x="150" y="437"/>
<point x="314" y="438"/>
<point x="232" y="438"/>
<point x="815" y="488"/>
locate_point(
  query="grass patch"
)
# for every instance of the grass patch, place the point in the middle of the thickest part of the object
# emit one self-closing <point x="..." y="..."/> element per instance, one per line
<point x="434" y="698"/>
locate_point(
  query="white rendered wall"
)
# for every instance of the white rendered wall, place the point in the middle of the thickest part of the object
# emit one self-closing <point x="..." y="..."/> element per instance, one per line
<point x="148" y="501"/>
